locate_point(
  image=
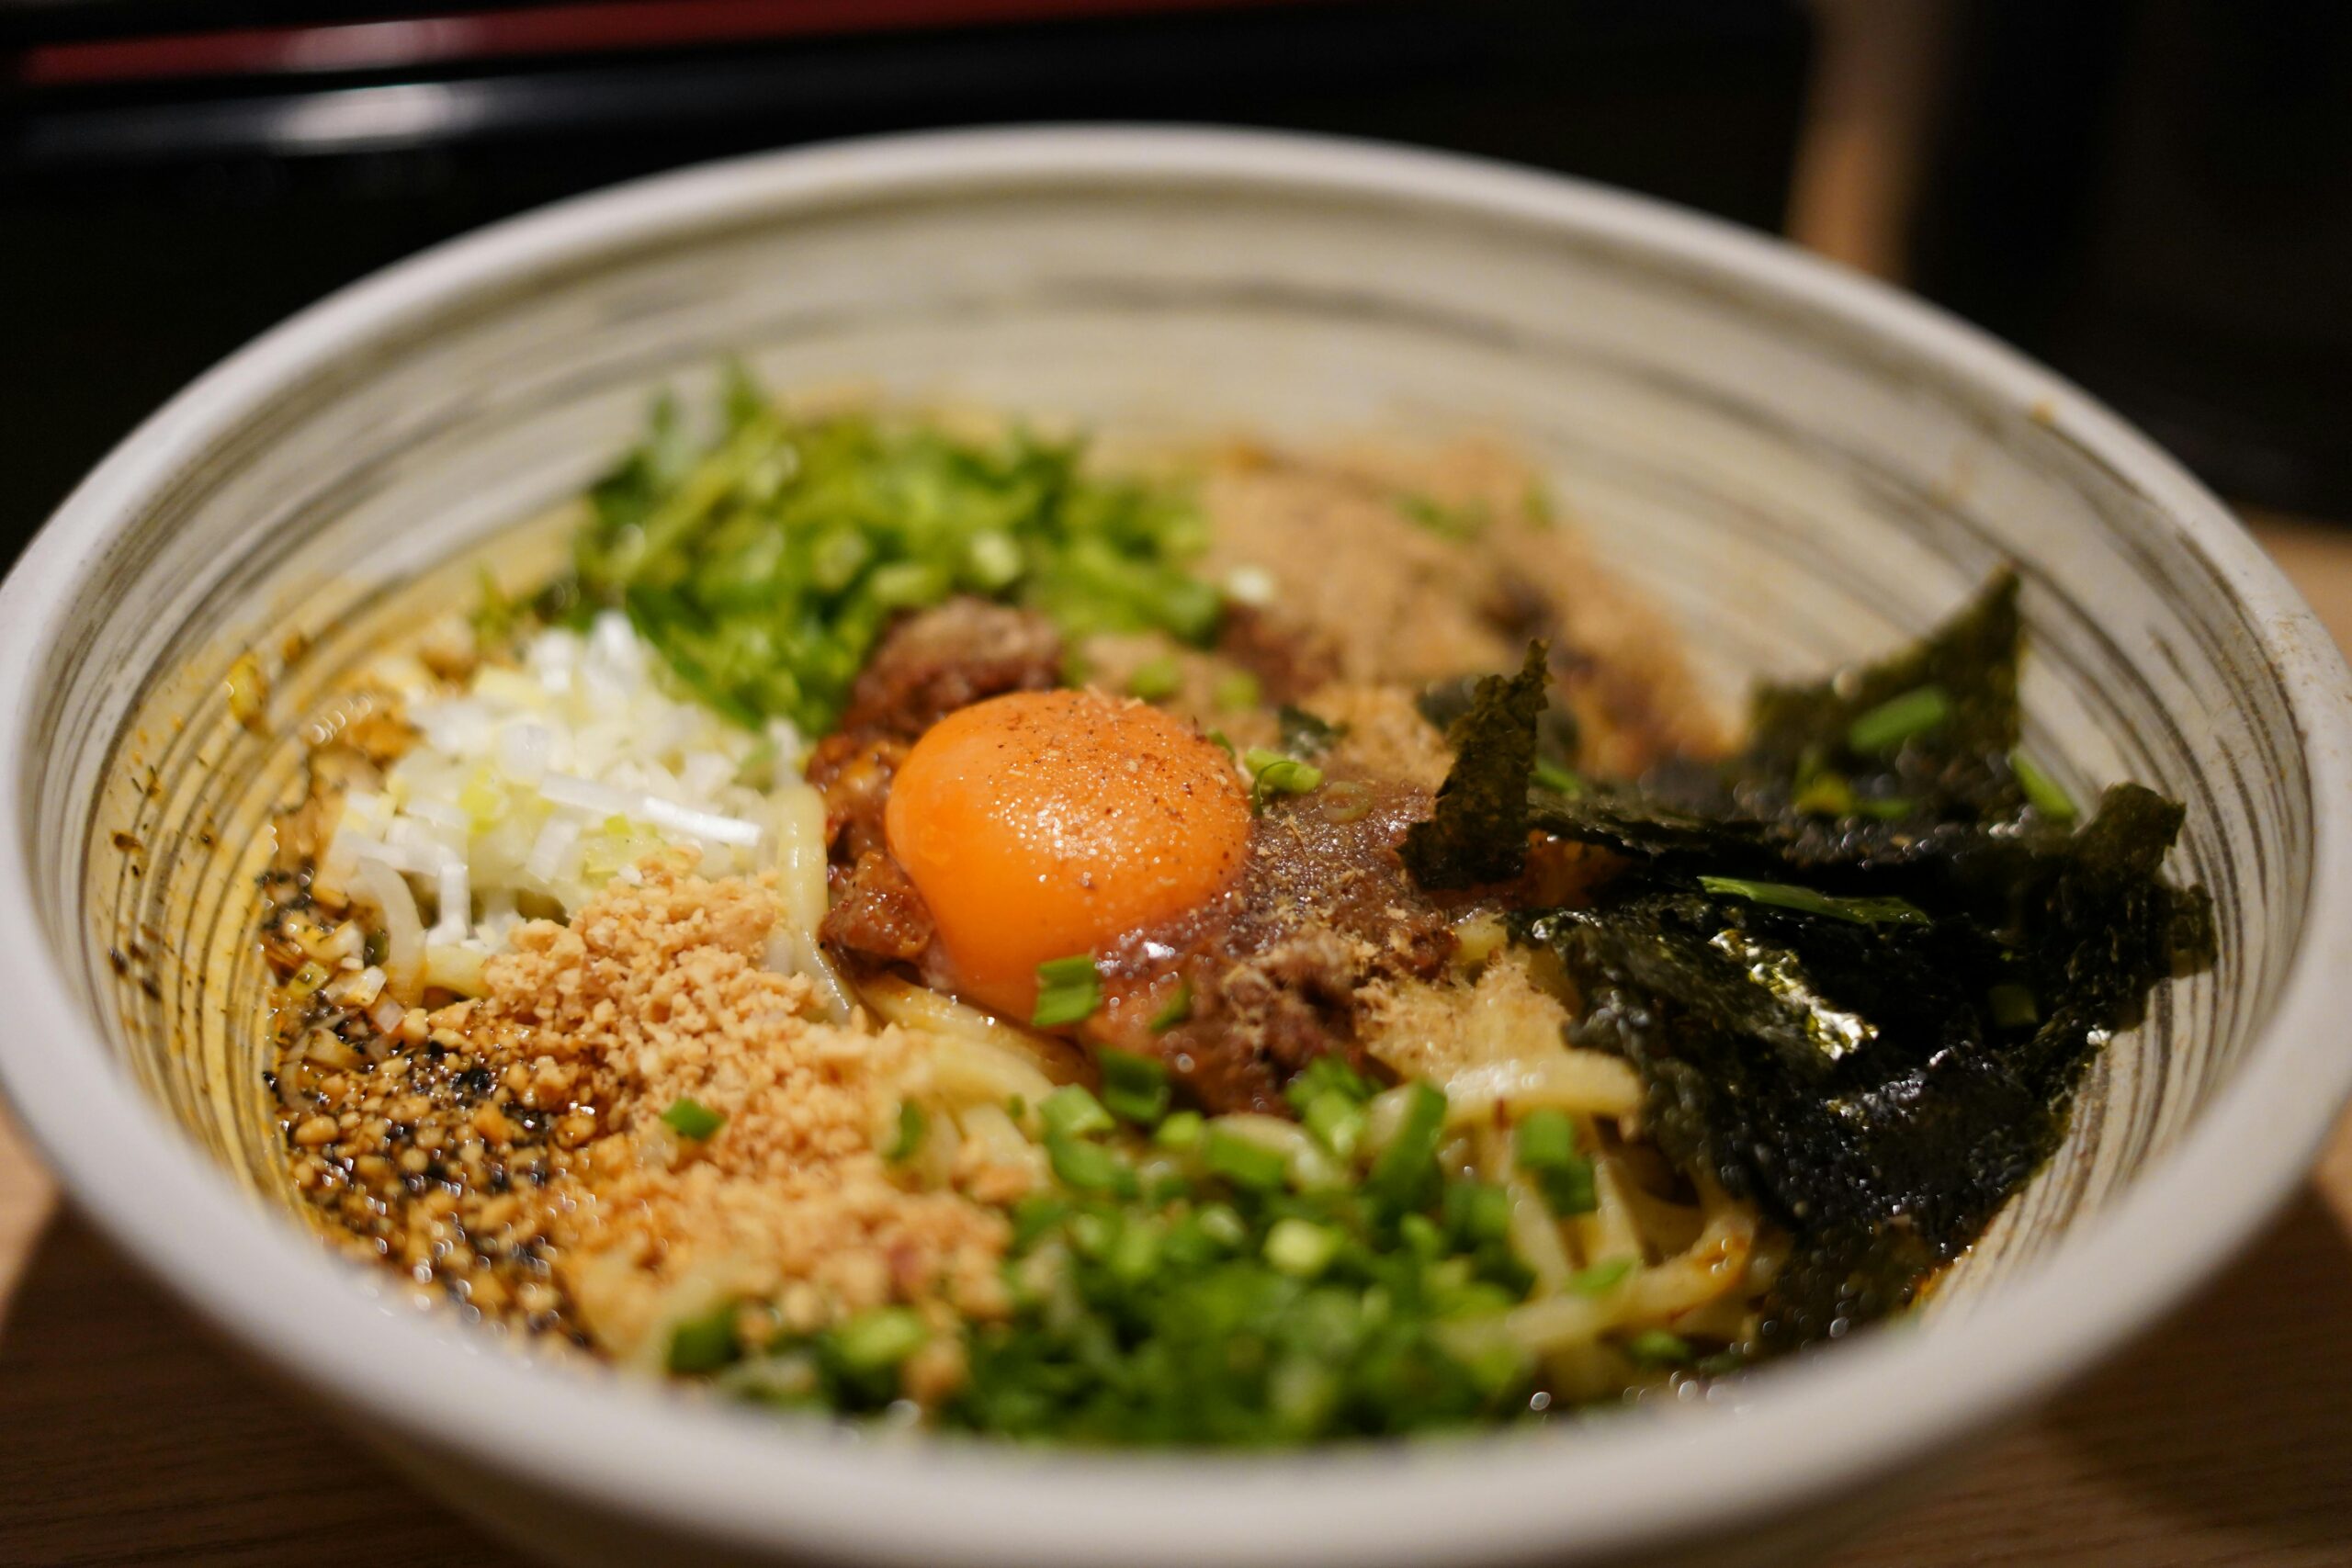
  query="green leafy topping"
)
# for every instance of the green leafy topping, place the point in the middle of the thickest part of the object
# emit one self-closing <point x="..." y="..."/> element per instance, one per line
<point x="1602" y="1277"/>
<point x="2043" y="793"/>
<point x="1545" y="1148"/>
<point x="1272" y="773"/>
<point x="1135" y="1088"/>
<point x="1461" y="523"/>
<point x="1787" y="896"/>
<point x="1657" y="1348"/>
<point x="1406" y="1170"/>
<point x="1337" y="1122"/>
<point x="1557" y="779"/>
<point x="1478" y="831"/>
<point x="1155" y="680"/>
<point x="912" y="1125"/>
<point x="1073" y="1111"/>
<point x="1089" y="1166"/>
<point x="1068" y="990"/>
<point x="1326" y="1075"/>
<point x="703" y="1343"/>
<point x="1234" y="693"/>
<point x="1242" y="1162"/>
<point x="1180" y="1130"/>
<point x="1302" y="1249"/>
<point x="765" y="563"/>
<point x="690" y="1118"/>
<point x="1886" y="727"/>
<point x="1177" y="1009"/>
<point x="879" y="1338"/>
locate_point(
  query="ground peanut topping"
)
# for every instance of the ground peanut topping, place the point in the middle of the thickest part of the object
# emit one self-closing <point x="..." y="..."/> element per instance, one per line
<point x="657" y="995"/>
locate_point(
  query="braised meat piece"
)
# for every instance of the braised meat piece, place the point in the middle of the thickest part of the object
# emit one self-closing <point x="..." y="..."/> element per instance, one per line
<point x="931" y="663"/>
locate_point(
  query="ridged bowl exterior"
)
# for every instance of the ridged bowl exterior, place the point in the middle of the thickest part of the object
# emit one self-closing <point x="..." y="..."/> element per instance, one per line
<point x="1796" y="467"/>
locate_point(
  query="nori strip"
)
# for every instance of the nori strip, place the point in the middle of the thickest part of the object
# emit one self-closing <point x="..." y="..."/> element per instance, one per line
<point x="1878" y="1088"/>
<point x="1477" y="831"/>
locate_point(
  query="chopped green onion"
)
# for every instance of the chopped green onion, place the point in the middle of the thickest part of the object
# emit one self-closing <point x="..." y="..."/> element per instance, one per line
<point x="1177" y="1009"/>
<point x="1346" y="800"/>
<point x="1089" y="1167"/>
<point x="1277" y="774"/>
<point x="913" y="1123"/>
<point x="2013" y="1006"/>
<point x="1135" y="1087"/>
<point x="1810" y="901"/>
<point x="1545" y="1144"/>
<point x="1180" y="1131"/>
<point x="1446" y="522"/>
<point x="1824" y="795"/>
<point x="1657" y="1348"/>
<point x="1545" y="1140"/>
<point x="1602" y="1277"/>
<point x="1073" y="1113"/>
<point x="1135" y="1253"/>
<point x="704" y="1344"/>
<point x="1887" y="808"/>
<point x="1403" y="1174"/>
<point x="1238" y="1160"/>
<point x="1158" y="679"/>
<point x="1235" y="692"/>
<point x="1419" y="1233"/>
<point x="690" y="1118"/>
<point x="993" y="560"/>
<point x="1221" y="1224"/>
<point x="1034" y="1215"/>
<point x="1301" y="1249"/>
<point x="1557" y="779"/>
<point x="1325" y="1074"/>
<point x="1337" y="1122"/>
<point x="1885" y="728"/>
<point x="2042" y="792"/>
<point x="1068" y="990"/>
<point x="879" y="1338"/>
<point x="1218" y="738"/>
<point x="1477" y="1212"/>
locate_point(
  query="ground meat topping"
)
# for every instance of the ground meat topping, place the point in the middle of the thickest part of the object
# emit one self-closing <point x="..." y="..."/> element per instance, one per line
<point x="1324" y="908"/>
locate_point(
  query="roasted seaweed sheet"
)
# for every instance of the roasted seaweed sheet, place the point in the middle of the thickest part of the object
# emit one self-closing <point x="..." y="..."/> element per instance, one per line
<point x="1861" y="964"/>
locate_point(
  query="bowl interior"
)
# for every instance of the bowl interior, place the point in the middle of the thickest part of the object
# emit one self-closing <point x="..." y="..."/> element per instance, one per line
<point x="1790" y="484"/>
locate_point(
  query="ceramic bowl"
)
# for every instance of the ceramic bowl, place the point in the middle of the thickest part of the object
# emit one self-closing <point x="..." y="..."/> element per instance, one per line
<point x="1796" y="465"/>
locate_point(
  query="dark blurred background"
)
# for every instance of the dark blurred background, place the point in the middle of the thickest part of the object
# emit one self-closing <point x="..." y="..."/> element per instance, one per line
<point x="2153" y="195"/>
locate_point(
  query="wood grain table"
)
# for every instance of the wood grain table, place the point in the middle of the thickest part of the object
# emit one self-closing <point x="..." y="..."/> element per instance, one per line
<point x="130" y="1435"/>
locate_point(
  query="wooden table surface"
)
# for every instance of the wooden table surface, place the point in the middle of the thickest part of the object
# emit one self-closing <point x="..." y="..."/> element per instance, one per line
<point x="128" y="1434"/>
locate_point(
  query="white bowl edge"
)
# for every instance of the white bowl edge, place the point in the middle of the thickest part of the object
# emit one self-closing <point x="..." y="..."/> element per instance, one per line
<point x="1796" y="1434"/>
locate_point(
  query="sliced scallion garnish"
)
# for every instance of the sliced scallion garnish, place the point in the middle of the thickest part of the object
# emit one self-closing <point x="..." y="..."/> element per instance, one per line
<point x="1886" y="727"/>
<point x="690" y="1118"/>
<point x="1068" y="990"/>
<point x="1812" y="901"/>
<point x="2042" y="792"/>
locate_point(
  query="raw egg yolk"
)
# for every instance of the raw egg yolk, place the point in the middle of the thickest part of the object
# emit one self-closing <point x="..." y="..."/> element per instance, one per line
<point x="1047" y="824"/>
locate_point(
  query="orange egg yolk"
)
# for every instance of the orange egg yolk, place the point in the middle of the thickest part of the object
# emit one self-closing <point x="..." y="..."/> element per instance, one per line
<point x="1046" y="823"/>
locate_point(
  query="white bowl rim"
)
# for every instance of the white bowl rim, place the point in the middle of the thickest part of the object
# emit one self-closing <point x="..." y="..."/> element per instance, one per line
<point x="1789" y="1438"/>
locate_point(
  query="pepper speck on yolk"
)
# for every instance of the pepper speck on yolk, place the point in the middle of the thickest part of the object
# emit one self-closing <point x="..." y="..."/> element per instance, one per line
<point x="1045" y="824"/>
